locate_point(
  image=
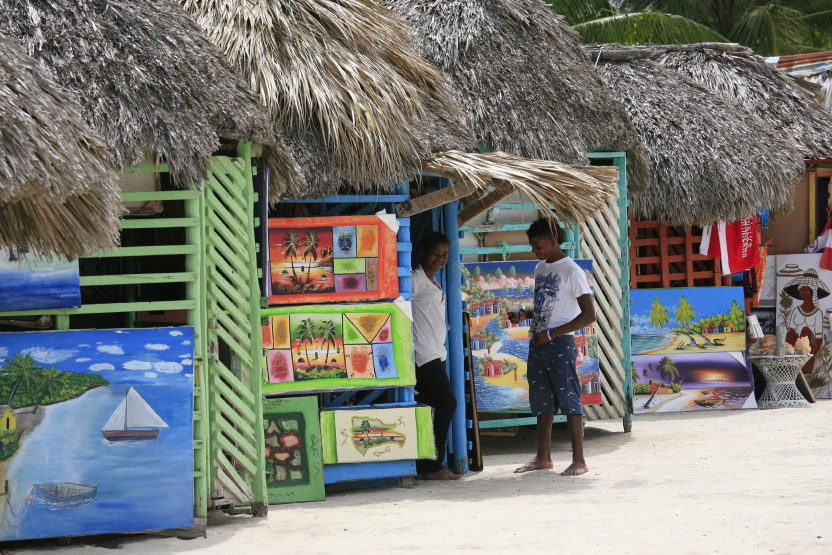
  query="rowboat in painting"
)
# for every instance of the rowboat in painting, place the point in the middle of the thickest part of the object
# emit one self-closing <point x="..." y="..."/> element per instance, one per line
<point x="64" y="494"/>
<point x="133" y="420"/>
<point x="708" y="402"/>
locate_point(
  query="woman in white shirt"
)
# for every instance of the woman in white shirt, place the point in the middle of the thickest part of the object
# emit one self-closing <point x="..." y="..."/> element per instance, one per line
<point x="433" y="388"/>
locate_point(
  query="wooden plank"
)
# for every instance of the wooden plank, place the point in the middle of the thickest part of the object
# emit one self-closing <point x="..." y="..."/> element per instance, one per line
<point x="179" y="194"/>
<point x="222" y="265"/>
<point x="127" y="279"/>
<point x="245" y="355"/>
<point x="158" y="223"/>
<point x="242" y="435"/>
<point x="481" y="205"/>
<point x="227" y="445"/>
<point x="223" y="379"/>
<point x="433" y="199"/>
<point x="214" y="239"/>
<point x="228" y="477"/>
<point x="155" y="250"/>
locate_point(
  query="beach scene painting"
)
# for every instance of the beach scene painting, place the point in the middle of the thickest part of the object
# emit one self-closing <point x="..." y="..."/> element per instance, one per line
<point x="687" y="320"/>
<point x="97" y="432"/>
<point x="692" y="382"/>
<point x="378" y="434"/>
<point x="294" y="463"/>
<point x="500" y="348"/>
<point x="332" y="259"/>
<point x="804" y="309"/>
<point x="338" y="346"/>
<point x="29" y="282"/>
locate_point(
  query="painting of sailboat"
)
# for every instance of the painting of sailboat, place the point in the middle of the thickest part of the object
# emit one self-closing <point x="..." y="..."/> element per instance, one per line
<point x="133" y="419"/>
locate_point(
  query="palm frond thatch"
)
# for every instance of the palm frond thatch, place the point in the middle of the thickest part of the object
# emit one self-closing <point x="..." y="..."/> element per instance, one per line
<point x="573" y="192"/>
<point x="712" y="162"/>
<point x="57" y="182"/>
<point x="525" y="80"/>
<point x="739" y="76"/>
<point x="358" y="104"/>
<point x="146" y="75"/>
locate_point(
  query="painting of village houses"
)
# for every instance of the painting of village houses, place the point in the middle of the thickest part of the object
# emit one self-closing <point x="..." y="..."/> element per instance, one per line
<point x="321" y="347"/>
<point x="500" y="348"/>
<point x="692" y="382"/>
<point x="687" y="320"/>
<point x="804" y="309"/>
<point x="338" y="258"/>
<point x="96" y="433"/>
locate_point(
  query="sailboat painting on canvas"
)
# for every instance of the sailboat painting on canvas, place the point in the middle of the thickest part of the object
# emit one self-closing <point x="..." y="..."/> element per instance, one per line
<point x="89" y="419"/>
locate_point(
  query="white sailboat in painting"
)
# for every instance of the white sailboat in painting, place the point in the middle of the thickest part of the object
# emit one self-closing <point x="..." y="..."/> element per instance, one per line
<point x="133" y="419"/>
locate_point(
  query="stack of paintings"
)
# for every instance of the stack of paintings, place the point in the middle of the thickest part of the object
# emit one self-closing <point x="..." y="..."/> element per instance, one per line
<point x="688" y="347"/>
<point x="332" y="259"/>
<point x="500" y="348"/>
<point x="338" y="346"/>
<point x="98" y="432"/>
<point x="804" y="309"/>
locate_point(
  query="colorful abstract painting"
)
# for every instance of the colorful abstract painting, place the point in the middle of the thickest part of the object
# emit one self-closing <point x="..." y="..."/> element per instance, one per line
<point x="383" y="434"/>
<point x="332" y="259"/>
<point x="294" y="463"/>
<point x="102" y="436"/>
<point x="687" y="320"/>
<point x="501" y="348"/>
<point x="804" y="309"/>
<point x="28" y="282"/>
<point x="692" y="382"/>
<point x="338" y="346"/>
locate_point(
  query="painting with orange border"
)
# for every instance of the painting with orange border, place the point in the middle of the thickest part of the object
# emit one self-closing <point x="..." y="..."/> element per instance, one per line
<point x="331" y="259"/>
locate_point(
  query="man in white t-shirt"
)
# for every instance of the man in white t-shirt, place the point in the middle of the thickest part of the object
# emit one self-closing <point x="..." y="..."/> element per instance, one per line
<point x="562" y="305"/>
<point x="433" y="388"/>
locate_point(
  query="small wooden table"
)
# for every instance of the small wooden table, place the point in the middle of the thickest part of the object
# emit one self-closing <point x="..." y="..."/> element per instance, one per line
<point x="780" y="372"/>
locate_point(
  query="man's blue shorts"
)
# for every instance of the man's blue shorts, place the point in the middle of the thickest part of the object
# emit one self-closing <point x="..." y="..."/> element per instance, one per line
<point x="553" y="380"/>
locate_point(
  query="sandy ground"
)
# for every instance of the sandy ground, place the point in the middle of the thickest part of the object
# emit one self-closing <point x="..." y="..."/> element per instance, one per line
<point x="751" y="481"/>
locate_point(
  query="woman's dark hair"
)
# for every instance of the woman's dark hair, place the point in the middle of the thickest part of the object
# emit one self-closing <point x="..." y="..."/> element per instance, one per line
<point x="545" y="229"/>
<point x="431" y="241"/>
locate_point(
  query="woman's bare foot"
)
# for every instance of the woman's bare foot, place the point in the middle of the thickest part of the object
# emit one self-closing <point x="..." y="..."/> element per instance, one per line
<point x="534" y="464"/>
<point x="443" y="474"/>
<point x="575" y="469"/>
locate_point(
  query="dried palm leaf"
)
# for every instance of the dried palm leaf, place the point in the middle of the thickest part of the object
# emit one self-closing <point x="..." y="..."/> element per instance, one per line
<point x="574" y="192"/>
<point x="57" y="181"/>
<point x="358" y="104"/>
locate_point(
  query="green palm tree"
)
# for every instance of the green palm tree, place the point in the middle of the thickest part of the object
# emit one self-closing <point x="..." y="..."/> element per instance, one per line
<point x="685" y="315"/>
<point x="327" y="330"/>
<point x="769" y="27"/>
<point x="19" y="370"/>
<point x="291" y="242"/>
<point x="667" y="369"/>
<point x="658" y="315"/>
<point x="49" y="381"/>
<point x="310" y="249"/>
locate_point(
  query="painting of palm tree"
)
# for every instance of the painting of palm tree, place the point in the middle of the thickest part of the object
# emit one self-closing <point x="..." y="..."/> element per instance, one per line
<point x="327" y="330"/>
<point x="307" y="334"/>
<point x="658" y="315"/>
<point x="19" y="370"/>
<point x="310" y="250"/>
<point x="48" y="382"/>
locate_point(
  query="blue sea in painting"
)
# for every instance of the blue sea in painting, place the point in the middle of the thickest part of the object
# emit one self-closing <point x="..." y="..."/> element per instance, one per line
<point x="139" y="484"/>
<point x="651" y="342"/>
<point x="32" y="284"/>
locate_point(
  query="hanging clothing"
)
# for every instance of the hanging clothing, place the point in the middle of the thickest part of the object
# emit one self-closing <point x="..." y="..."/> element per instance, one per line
<point x="735" y="244"/>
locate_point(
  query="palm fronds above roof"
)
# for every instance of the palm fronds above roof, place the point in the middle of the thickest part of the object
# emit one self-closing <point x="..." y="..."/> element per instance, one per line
<point x="356" y="101"/>
<point x="145" y="74"/>
<point x="57" y="181"/>
<point x="525" y="80"/>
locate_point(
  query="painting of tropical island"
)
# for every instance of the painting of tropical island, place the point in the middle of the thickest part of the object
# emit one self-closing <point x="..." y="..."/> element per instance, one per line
<point x="315" y="259"/>
<point x="336" y="346"/>
<point x="29" y="282"/>
<point x="500" y="348"/>
<point x="88" y="419"/>
<point x="692" y="382"/>
<point x="687" y="320"/>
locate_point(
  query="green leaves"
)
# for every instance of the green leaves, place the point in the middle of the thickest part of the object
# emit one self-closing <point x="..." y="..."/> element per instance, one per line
<point x="646" y="27"/>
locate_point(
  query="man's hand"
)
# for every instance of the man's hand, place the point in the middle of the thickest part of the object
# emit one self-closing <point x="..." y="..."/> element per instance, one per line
<point x="542" y="337"/>
<point x="518" y="316"/>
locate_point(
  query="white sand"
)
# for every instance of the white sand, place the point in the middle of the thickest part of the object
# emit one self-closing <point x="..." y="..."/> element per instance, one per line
<point x="749" y="481"/>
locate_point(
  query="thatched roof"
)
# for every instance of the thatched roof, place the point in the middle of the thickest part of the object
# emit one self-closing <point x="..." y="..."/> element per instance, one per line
<point x="525" y="80"/>
<point x="738" y="75"/>
<point x="146" y="76"/>
<point x="57" y="181"/>
<point x="711" y="159"/>
<point x="356" y="101"/>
